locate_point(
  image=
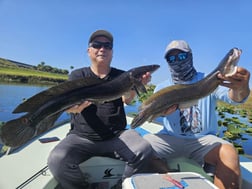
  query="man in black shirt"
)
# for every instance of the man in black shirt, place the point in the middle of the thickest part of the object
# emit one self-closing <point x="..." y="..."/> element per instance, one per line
<point x="98" y="129"/>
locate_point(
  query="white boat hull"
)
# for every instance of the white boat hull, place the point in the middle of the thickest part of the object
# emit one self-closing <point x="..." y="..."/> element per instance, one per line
<point x="27" y="168"/>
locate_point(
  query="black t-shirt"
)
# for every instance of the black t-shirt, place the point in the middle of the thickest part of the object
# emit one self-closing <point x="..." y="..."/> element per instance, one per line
<point x="98" y="121"/>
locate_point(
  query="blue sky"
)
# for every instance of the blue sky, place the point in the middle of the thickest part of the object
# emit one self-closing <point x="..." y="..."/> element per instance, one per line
<point x="56" y="31"/>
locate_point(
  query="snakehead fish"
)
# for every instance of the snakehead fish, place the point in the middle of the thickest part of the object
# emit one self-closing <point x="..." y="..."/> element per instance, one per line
<point x="45" y="107"/>
<point x="184" y="95"/>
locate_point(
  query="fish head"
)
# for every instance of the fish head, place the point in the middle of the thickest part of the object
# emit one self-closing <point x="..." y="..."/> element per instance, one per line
<point x="230" y="62"/>
<point x="138" y="72"/>
<point x="15" y="132"/>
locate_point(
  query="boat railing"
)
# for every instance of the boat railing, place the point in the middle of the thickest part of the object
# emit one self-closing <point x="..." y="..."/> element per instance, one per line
<point x="41" y="172"/>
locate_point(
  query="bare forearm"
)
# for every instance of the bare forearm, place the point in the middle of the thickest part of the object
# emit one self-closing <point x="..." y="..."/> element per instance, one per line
<point x="239" y="95"/>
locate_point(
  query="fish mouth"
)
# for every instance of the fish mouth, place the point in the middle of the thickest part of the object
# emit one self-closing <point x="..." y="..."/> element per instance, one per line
<point x="231" y="67"/>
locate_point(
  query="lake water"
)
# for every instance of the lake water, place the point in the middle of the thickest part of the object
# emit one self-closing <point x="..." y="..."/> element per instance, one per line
<point x="12" y="95"/>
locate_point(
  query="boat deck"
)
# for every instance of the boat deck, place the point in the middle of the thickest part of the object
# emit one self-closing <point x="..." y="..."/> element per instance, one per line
<point x="27" y="167"/>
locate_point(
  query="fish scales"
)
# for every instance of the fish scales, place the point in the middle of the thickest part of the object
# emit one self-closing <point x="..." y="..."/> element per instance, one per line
<point x="41" y="116"/>
<point x="181" y="94"/>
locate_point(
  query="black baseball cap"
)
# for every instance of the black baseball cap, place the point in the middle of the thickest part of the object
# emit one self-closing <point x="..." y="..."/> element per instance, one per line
<point x="103" y="33"/>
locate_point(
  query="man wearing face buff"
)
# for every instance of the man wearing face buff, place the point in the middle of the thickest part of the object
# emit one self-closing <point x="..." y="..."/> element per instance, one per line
<point x="191" y="132"/>
<point x="98" y="129"/>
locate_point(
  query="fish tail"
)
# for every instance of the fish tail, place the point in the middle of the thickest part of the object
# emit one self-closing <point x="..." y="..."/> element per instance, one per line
<point x="15" y="132"/>
<point x="139" y="119"/>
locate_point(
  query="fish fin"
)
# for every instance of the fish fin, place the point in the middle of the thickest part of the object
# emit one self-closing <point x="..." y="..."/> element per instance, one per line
<point x="33" y="103"/>
<point x="47" y="123"/>
<point x="188" y="104"/>
<point x="139" y="87"/>
<point x="137" y="92"/>
<point x="17" y="132"/>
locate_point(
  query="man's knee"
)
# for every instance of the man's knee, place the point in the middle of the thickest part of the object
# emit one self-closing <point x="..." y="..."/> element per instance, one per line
<point x="229" y="156"/>
<point x="227" y="174"/>
<point x="228" y="150"/>
<point x="222" y="153"/>
<point x="147" y="151"/>
<point x="55" y="164"/>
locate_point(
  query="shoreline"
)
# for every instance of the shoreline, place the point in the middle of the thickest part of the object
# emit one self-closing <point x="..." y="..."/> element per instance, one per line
<point x="16" y="79"/>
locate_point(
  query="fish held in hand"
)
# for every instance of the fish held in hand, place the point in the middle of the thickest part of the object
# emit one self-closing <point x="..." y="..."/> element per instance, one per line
<point x="184" y="95"/>
<point x="45" y="107"/>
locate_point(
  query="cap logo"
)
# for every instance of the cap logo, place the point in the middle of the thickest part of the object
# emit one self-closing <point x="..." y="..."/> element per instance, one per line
<point x="174" y="44"/>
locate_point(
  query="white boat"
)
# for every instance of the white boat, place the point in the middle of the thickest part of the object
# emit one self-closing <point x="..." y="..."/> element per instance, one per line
<point x="27" y="167"/>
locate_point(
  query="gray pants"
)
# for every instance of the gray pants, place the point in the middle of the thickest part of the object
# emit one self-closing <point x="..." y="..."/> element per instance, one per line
<point x="65" y="158"/>
<point x="166" y="146"/>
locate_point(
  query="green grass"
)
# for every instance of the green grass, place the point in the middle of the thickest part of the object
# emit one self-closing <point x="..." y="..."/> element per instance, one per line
<point x="29" y="72"/>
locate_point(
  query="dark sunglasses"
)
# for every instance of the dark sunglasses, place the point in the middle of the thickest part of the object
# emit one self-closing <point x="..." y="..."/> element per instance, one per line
<point x="98" y="45"/>
<point x="180" y="56"/>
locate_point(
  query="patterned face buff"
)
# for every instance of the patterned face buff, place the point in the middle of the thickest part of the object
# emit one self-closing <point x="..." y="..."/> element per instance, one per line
<point x="182" y="70"/>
